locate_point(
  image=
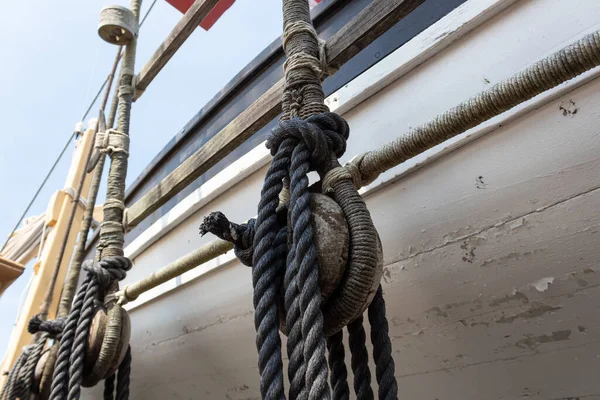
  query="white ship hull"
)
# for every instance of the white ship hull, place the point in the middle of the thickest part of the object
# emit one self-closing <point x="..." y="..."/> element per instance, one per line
<point x="491" y="240"/>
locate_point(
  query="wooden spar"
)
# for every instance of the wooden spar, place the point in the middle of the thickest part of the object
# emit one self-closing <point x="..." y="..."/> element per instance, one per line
<point x="9" y="271"/>
<point x="375" y="19"/>
<point x="184" y="28"/>
<point x="57" y="216"/>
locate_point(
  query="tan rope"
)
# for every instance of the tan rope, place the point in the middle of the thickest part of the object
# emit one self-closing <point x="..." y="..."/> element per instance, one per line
<point x="112" y="234"/>
<point x="304" y="67"/>
<point x="545" y="74"/>
<point x="186" y="263"/>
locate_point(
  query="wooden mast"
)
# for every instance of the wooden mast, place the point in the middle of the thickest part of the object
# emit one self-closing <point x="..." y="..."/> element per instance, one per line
<point x="57" y="218"/>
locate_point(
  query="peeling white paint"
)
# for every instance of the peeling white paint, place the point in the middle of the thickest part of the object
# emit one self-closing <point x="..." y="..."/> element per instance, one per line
<point x="484" y="328"/>
<point x="541" y="285"/>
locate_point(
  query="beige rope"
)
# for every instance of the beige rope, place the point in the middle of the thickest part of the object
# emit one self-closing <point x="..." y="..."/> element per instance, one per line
<point x="186" y="263"/>
<point x="545" y="74"/>
<point x="305" y="66"/>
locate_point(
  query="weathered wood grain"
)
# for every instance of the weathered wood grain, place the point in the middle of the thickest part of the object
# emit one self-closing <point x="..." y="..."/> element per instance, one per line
<point x="368" y="25"/>
<point x="184" y="28"/>
<point x="373" y="21"/>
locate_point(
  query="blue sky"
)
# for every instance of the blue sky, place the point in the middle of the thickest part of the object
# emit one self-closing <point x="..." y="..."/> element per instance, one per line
<point x="51" y="66"/>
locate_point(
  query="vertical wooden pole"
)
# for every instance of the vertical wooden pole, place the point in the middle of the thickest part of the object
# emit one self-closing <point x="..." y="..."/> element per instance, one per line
<point x="57" y="218"/>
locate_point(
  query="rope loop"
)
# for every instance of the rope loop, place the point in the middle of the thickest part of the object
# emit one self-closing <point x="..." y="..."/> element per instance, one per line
<point x="324" y="134"/>
<point x="109" y="269"/>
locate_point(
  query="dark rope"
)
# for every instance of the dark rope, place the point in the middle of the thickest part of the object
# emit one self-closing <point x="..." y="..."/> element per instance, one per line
<point x="60" y="377"/>
<point x="360" y="360"/>
<point x="241" y="235"/>
<point x="123" y="377"/>
<point x="122" y="380"/>
<point x="305" y="260"/>
<point x="337" y="367"/>
<point x="12" y="387"/>
<point x="109" y="388"/>
<point x="382" y="348"/>
<point x="266" y="277"/>
<point x="68" y="370"/>
<point x="20" y="379"/>
<point x="53" y="327"/>
<point x="293" y="322"/>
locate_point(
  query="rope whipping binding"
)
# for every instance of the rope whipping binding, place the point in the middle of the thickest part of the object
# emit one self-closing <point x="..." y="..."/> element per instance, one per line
<point x="68" y="142"/>
<point x="577" y="58"/>
<point x="38" y="323"/>
<point x="101" y="282"/>
<point x="309" y="138"/>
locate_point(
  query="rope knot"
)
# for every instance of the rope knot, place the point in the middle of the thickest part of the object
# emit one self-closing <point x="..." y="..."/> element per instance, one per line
<point x="241" y="235"/>
<point x="108" y="269"/>
<point x="351" y="170"/>
<point x="324" y="134"/>
<point x="53" y="327"/>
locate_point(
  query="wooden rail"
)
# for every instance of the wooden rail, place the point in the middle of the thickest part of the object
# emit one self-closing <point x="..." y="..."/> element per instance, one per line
<point x="184" y="28"/>
<point x="368" y="25"/>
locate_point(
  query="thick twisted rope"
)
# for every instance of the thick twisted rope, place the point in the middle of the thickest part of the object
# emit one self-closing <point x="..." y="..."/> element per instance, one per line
<point x="53" y="327"/>
<point x="122" y="380"/>
<point x="21" y="376"/>
<point x="307" y="276"/>
<point x="266" y="275"/>
<point x="241" y="235"/>
<point x="543" y="75"/>
<point x="360" y="360"/>
<point x="583" y="55"/>
<point x="109" y="388"/>
<point x="123" y="377"/>
<point x="337" y="366"/>
<point x="382" y="348"/>
<point x="68" y="370"/>
<point x="12" y="388"/>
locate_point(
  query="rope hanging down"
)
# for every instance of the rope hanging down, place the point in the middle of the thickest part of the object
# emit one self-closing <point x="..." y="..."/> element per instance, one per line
<point x="558" y="68"/>
<point x="310" y="138"/>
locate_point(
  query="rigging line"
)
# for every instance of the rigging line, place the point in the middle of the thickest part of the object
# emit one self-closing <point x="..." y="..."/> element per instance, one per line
<point x="147" y="13"/>
<point x="62" y="153"/>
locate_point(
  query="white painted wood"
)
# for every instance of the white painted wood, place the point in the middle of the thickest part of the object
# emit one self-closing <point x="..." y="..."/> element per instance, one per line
<point x="425" y="45"/>
<point x="421" y="48"/>
<point x="491" y="251"/>
<point x="230" y="175"/>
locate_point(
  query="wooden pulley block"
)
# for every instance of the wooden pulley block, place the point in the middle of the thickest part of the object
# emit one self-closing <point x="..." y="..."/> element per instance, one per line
<point x="44" y="371"/>
<point x="38" y="373"/>
<point x="356" y="288"/>
<point x="331" y="237"/>
<point x="117" y="25"/>
<point x="107" y="344"/>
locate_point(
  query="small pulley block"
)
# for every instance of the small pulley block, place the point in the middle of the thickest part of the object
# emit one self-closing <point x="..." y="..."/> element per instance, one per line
<point x="117" y="25"/>
<point x="107" y="344"/>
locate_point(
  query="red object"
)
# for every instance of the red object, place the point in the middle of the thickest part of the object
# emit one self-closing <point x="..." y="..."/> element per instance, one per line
<point x="213" y="15"/>
<point x="313" y="3"/>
